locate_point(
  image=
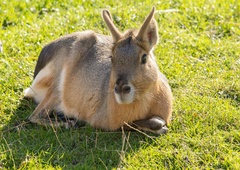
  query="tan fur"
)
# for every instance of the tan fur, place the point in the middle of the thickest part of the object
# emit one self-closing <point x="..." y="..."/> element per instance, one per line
<point x="78" y="74"/>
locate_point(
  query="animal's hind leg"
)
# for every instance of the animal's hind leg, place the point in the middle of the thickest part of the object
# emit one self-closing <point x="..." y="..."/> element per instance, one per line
<point x="41" y="114"/>
<point x="154" y="125"/>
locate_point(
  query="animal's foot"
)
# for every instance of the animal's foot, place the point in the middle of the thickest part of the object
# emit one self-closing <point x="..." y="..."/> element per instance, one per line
<point x="155" y="125"/>
<point x="163" y="130"/>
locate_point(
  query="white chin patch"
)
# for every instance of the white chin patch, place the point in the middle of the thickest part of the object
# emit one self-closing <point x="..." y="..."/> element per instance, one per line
<point x="125" y="98"/>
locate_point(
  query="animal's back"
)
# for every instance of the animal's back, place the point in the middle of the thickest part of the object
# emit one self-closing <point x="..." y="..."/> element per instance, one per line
<point x="57" y="48"/>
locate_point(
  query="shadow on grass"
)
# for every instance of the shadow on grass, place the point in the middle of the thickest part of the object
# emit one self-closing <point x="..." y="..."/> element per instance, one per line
<point x="27" y="145"/>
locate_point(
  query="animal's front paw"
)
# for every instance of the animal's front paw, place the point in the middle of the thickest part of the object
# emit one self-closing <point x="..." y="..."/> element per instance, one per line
<point x="161" y="131"/>
<point x="155" y="125"/>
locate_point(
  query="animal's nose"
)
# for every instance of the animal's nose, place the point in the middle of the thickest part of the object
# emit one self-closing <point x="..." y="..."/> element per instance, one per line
<point x="125" y="89"/>
<point x="122" y="86"/>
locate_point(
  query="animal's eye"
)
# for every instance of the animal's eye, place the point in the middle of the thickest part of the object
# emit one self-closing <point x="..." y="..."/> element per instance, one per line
<point x="144" y="59"/>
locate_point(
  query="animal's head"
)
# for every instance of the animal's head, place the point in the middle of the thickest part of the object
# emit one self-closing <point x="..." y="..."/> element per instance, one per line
<point x="134" y="69"/>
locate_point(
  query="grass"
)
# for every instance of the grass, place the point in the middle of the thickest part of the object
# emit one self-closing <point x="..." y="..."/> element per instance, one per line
<point x="199" y="52"/>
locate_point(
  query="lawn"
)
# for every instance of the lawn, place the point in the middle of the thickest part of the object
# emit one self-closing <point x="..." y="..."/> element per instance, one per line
<point x="199" y="52"/>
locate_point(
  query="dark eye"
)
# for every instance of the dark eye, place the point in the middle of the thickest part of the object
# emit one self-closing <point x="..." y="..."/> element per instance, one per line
<point x="144" y="59"/>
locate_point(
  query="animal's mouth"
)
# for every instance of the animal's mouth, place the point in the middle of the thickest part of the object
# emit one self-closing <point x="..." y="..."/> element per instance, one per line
<point x="123" y="98"/>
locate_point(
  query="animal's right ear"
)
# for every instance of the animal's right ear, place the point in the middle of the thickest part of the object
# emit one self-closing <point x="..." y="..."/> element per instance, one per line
<point x="113" y="29"/>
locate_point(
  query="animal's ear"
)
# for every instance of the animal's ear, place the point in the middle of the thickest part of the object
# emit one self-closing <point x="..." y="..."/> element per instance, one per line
<point x="113" y="29"/>
<point x="148" y="33"/>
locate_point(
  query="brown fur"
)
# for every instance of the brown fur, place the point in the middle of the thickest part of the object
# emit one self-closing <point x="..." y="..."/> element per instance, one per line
<point x="78" y="73"/>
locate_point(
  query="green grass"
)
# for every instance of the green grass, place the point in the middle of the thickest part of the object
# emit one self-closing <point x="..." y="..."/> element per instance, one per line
<point x="199" y="52"/>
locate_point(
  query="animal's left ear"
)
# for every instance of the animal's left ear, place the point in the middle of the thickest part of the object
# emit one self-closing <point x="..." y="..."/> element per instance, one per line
<point x="148" y="33"/>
